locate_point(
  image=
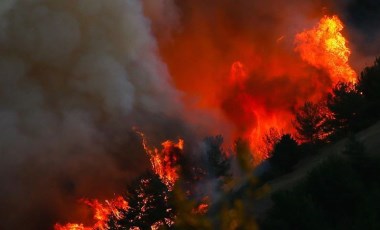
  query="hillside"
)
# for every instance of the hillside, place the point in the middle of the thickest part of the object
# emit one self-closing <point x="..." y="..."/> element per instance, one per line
<point x="369" y="137"/>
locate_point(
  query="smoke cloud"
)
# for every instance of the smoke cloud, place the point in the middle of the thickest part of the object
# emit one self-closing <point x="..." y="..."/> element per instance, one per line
<point x="75" y="77"/>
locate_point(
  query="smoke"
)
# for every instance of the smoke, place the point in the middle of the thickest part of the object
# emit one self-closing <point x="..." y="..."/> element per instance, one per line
<point x="76" y="76"/>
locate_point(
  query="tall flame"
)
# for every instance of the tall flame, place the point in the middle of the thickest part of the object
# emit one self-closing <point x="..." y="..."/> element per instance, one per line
<point x="325" y="47"/>
<point x="253" y="116"/>
<point x="165" y="162"/>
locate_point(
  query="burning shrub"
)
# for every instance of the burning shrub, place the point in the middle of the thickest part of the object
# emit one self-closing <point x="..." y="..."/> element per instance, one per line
<point x="148" y="199"/>
<point x="310" y="123"/>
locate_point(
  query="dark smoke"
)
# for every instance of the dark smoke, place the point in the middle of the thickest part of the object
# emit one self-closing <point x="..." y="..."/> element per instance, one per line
<point x="76" y="77"/>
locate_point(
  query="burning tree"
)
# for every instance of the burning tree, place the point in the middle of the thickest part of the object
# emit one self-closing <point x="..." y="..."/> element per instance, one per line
<point x="310" y="122"/>
<point x="102" y="213"/>
<point x="149" y="205"/>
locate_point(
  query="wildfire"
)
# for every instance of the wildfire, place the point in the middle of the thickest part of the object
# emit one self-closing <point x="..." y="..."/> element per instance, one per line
<point x="165" y="162"/>
<point x="254" y="114"/>
<point x="102" y="211"/>
<point x="324" y="47"/>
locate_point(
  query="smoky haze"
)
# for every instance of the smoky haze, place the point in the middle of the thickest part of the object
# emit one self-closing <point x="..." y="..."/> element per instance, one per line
<point x="76" y="76"/>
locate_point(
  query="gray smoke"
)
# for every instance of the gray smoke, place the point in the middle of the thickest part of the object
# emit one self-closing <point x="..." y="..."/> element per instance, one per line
<point x="75" y="77"/>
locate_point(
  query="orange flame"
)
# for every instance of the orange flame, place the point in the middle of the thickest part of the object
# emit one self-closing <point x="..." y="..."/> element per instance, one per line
<point x="165" y="162"/>
<point x="70" y="226"/>
<point x="101" y="214"/>
<point x="253" y="116"/>
<point x="324" y="47"/>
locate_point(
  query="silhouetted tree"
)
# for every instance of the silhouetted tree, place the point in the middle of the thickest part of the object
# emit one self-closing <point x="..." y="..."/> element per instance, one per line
<point x="345" y="103"/>
<point x="285" y="154"/>
<point x="271" y="138"/>
<point x="218" y="162"/>
<point x="148" y="200"/>
<point x="369" y="86"/>
<point x="310" y="122"/>
<point x="244" y="155"/>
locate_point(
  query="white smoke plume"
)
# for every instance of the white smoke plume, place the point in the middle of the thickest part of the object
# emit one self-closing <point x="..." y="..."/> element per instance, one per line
<point x="75" y="77"/>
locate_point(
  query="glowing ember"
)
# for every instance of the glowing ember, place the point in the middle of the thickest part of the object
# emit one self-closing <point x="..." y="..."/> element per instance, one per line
<point x="101" y="214"/>
<point x="201" y="209"/>
<point x="165" y="162"/>
<point x="324" y="47"/>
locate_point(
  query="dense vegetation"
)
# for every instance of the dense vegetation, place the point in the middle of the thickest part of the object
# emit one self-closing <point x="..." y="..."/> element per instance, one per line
<point x="341" y="193"/>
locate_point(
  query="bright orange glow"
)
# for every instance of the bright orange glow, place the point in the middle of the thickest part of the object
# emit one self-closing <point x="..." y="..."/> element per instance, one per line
<point x="324" y="47"/>
<point x="255" y="119"/>
<point x="201" y="208"/>
<point x="260" y="100"/>
<point x="102" y="211"/>
<point x="70" y="226"/>
<point x="165" y="162"/>
<point x="252" y="82"/>
<point x="249" y="78"/>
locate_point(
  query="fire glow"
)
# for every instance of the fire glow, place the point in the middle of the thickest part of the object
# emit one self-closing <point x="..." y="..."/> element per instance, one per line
<point x="164" y="164"/>
<point x="102" y="211"/>
<point x="323" y="47"/>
